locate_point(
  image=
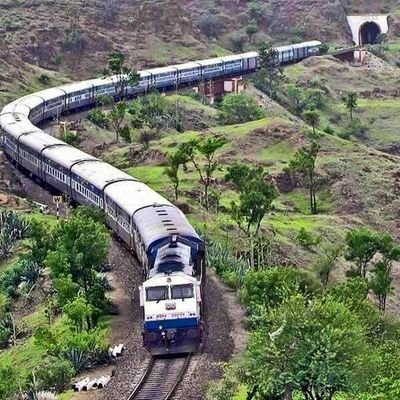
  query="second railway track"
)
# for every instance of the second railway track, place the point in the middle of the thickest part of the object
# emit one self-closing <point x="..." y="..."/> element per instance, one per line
<point x="161" y="378"/>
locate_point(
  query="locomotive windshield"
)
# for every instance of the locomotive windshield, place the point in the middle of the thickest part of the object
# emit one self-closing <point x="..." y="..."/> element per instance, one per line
<point x="182" y="291"/>
<point x="157" y="293"/>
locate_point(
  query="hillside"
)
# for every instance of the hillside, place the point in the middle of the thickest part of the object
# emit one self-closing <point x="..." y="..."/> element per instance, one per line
<point x="77" y="37"/>
<point x="259" y="285"/>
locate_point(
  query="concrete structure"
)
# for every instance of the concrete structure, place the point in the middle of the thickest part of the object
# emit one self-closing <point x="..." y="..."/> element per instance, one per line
<point x="366" y="28"/>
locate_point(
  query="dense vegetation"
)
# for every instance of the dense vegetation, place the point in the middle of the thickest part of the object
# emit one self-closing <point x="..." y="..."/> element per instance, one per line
<point x="59" y="274"/>
<point x="311" y="339"/>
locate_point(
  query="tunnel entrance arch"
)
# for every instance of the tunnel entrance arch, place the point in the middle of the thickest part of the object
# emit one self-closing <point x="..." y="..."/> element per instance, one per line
<point x="369" y="32"/>
<point x="366" y="28"/>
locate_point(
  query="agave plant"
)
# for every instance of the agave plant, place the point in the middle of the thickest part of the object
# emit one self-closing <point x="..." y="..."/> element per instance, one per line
<point x="30" y="272"/>
<point x="32" y="394"/>
<point x="81" y="360"/>
<point x="6" y="245"/>
<point x="11" y="222"/>
<point x="12" y="228"/>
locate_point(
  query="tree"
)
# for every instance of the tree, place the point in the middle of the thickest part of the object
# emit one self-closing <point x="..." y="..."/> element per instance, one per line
<point x="350" y="102"/>
<point x="79" y="312"/>
<point x="381" y="280"/>
<point x="251" y="30"/>
<point x="238" y="40"/>
<point x="82" y="247"/>
<point x="269" y="74"/>
<point x="256" y="194"/>
<point x="311" y="118"/>
<point x="175" y="161"/>
<point x="125" y="76"/>
<point x="202" y="152"/>
<point x="238" y="108"/>
<point x="362" y="245"/>
<point x="256" y="11"/>
<point x="311" y="348"/>
<point x="126" y="134"/>
<point x="381" y="283"/>
<point x="116" y="118"/>
<point x="304" y="162"/>
<point x="327" y="262"/>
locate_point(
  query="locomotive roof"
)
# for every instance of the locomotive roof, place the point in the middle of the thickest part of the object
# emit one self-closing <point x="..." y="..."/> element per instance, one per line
<point x="159" y="222"/>
<point x="161" y="70"/>
<point x="99" y="173"/>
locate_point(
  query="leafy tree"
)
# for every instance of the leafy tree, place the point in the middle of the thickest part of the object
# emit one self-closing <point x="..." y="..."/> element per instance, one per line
<point x="238" y="108"/>
<point x="125" y="76"/>
<point x="212" y="25"/>
<point x="255" y="10"/>
<point x="155" y="112"/>
<point x="296" y="95"/>
<point x="317" y="349"/>
<point x="126" y="134"/>
<point x="362" y="245"/>
<point x="307" y="239"/>
<point x="41" y="241"/>
<point x="116" y="118"/>
<point x="323" y="49"/>
<point x="82" y="247"/>
<point x="350" y="102"/>
<point x="257" y="193"/>
<point x="251" y="30"/>
<point x="270" y="74"/>
<point x="202" y="154"/>
<point x="381" y="281"/>
<point x="238" y="40"/>
<point x="98" y="117"/>
<point x="327" y="262"/>
<point x="80" y="312"/>
<point x="304" y="162"/>
<point x="175" y="161"/>
<point x="312" y="118"/>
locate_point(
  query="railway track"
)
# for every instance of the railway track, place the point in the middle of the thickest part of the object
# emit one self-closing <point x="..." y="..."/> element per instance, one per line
<point x="161" y="378"/>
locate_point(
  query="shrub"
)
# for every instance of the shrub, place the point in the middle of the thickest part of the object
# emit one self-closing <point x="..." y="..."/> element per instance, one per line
<point x="307" y="239"/>
<point x="146" y="135"/>
<point x="44" y="79"/>
<point x="54" y="374"/>
<point x="238" y="108"/>
<point x="329" y="130"/>
<point x="99" y="118"/>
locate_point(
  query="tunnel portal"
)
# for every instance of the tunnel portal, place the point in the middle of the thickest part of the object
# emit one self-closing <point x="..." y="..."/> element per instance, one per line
<point x="369" y="33"/>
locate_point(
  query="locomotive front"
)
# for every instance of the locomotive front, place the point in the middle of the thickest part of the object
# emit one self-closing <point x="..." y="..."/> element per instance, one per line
<point x="172" y="313"/>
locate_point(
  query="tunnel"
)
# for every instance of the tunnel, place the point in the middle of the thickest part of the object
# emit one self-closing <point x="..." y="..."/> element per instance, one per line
<point x="369" y="32"/>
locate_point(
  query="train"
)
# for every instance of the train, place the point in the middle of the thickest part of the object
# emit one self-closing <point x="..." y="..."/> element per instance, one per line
<point x="169" y="249"/>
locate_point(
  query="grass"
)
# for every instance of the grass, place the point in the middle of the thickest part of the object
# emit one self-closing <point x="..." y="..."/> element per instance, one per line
<point x="382" y="116"/>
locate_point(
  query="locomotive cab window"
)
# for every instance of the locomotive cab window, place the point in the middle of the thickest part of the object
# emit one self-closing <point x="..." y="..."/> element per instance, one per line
<point x="157" y="293"/>
<point x="182" y="291"/>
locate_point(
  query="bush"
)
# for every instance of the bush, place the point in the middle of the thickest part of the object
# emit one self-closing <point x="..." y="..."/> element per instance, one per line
<point x="44" y="79"/>
<point x="356" y="129"/>
<point x="212" y="25"/>
<point x="126" y="134"/>
<point x="239" y="108"/>
<point x="307" y="239"/>
<point x="54" y="374"/>
<point x="146" y="135"/>
<point x="329" y="130"/>
<point x="98" y="117"/>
